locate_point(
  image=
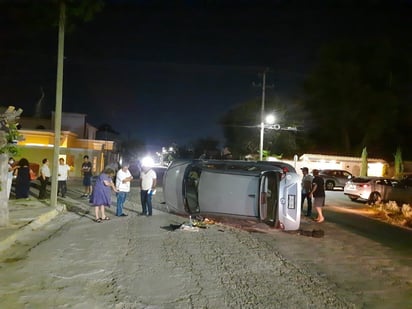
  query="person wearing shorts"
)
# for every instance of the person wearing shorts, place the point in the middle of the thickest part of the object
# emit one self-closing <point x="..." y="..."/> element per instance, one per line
<point x="318" y="193"/>
<point x="87" y="176"/>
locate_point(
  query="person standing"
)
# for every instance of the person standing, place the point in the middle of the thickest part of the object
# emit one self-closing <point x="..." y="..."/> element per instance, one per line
<point x="102" y="197"/>
<point x="62" y="176"/>
<point x="44" y="178"/>
<point x="147" y="189"/>
<point x="318" y="193"/>
<point x="306" y="189"/>
<point x="87" y="176"/>
<point x="11" y="169"/>
<point x="123" y="179"/>
<point x="22" y="179"/>
<point x="226" y="154"/>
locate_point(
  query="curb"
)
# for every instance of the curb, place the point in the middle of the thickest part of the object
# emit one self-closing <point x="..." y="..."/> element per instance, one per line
<point x="32" y="226"/>
<point x="45" y="218"/>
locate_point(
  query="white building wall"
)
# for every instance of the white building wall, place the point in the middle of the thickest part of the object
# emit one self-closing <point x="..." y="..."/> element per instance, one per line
<point x="376" y="167"/>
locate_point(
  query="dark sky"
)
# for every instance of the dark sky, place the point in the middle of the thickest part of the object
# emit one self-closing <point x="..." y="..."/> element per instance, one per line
<point x="166" y="73"/>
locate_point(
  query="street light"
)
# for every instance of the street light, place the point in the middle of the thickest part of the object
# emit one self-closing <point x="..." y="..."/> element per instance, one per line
<point x="269" y="119"/>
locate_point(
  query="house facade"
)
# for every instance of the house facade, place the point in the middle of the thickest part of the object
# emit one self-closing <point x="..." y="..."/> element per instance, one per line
<point x="376" y="167"/>
<point x="77" y="139"/>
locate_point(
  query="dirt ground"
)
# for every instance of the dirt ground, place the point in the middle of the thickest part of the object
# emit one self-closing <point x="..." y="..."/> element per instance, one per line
<point x="361" y="270"/>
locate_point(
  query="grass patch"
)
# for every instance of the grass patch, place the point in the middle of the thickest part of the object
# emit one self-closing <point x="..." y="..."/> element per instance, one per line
<point x="392" y="213"/>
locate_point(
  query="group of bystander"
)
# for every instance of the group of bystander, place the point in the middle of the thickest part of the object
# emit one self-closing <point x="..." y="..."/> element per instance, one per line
<point x="313" y="187"/>
<point x="62" y="177"/>
<point x="23" y="175"/>
<point x="101" y="197"/>
<point x="99" y="194"/>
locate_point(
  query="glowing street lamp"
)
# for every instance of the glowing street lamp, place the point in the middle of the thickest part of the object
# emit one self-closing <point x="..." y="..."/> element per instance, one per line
<point x="270" y="119"/>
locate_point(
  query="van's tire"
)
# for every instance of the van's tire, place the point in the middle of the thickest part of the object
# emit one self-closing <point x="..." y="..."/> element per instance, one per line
<point x="329" y="185"/>
<point x="353" y="198"/>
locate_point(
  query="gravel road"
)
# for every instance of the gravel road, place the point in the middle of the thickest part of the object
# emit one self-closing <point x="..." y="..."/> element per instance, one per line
<point x="141" y="262"/>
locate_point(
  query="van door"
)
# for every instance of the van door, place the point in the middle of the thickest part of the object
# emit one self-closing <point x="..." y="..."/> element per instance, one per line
<point x="190" y="189"/>
<point x="269" y="196"/>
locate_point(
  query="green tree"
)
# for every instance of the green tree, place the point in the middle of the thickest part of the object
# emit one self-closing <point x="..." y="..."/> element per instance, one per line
<point x="42" y="15"/>
<point x="208" y="145"/>
<point x="364" y="163"/>
<point x="356" y="96"/>
<point x="105" y="127"/>
<point x="398" y="163"/>
<point x="9" y="135"/>
<point x="132" y="150"/>
<point x="241" y="128"/>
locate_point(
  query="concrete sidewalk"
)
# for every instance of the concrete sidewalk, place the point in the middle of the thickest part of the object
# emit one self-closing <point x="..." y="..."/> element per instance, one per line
<point x="27" y="215"/>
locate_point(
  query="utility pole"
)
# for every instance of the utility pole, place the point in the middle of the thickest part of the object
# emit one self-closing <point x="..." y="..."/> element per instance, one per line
<point x="262" y="112"/>
<point x="262" y="116"/>
<point x="58" y="112"/>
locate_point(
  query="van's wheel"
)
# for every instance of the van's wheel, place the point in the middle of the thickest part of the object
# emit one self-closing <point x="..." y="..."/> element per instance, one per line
<point x="374" y="198"/>
<point x="329" y="185"/>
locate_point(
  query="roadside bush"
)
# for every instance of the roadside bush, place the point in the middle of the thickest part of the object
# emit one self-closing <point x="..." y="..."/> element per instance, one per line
<point x="407" y="211"/>
<point x="392" y="207"/>
<point x="407" y="214"/>
<point x="394" y="214"/>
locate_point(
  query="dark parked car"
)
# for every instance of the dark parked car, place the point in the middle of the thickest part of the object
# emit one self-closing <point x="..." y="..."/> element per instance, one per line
<point x="334" y="178"/>
<point x="377" y="189"/>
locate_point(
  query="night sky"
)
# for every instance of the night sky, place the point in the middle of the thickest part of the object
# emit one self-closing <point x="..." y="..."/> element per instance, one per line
<point x="166" y="73"/>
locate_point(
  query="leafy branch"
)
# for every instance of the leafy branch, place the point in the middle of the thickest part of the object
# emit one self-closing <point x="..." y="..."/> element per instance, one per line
<point x="9" y="133"/>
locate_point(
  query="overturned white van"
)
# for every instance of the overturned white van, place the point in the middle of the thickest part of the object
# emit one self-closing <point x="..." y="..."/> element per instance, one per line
<point x="269" y="191"/>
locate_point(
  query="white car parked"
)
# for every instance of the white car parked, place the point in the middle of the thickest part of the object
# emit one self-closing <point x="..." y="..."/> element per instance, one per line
<point x="377" y="189"/>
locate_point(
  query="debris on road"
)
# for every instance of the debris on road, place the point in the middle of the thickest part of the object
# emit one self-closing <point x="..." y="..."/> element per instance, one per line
<point x="314" y="233"/>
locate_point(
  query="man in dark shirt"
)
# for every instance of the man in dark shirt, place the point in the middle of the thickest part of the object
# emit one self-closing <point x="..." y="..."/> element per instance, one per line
<point x="306" y="189"/>
<point x="318" y="193"/>
<point x="87" y="176"/>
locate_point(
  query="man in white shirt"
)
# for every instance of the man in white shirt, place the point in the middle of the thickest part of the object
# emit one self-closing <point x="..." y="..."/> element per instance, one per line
<point x="62" y="176"/>
<point x="147" y="189"/>
<point x="306" y="189"/>
<point x="123" y="179"/>
<point x="11" y="167"/>
<point x="44" y="178"/>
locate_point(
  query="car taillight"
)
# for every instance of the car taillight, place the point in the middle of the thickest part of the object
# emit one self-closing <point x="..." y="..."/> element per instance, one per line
<point x="285" y="170"/>
<point x="364" y="186"/>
